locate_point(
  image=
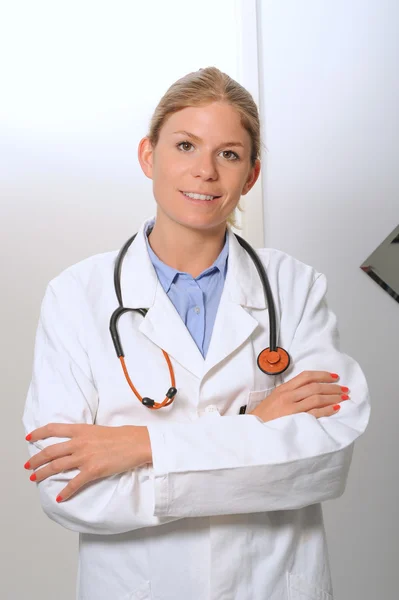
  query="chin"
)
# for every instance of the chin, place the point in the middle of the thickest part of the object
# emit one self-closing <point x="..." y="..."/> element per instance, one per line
<point x="201" y="221"/>
<point x="192" y="219"/>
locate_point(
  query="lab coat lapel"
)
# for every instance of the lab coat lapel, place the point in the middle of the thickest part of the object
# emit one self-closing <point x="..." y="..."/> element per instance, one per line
<point x="233" y="326"/>
<point x="164" y="326"/>
<point x="242" y="290"/>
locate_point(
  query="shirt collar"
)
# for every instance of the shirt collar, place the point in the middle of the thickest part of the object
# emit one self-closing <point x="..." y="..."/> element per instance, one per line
<point x="167" y="274"/>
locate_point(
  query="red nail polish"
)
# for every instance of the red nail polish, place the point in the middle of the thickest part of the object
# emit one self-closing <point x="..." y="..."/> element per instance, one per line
<point x="344" y="388"/>
<point x="336" y="407"/>
<point x="58" y="498"/>
<point x="345" y="397"/>
<point x="28" y="437"/>
<point x="33" y="477"/>
<point x="334" y="375"/>
<point x="27" y="465"/>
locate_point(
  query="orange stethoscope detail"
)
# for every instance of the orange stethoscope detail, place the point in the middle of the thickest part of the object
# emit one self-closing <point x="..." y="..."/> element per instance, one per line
<point x="272" y="362"/>
<point x="170" y="394"/>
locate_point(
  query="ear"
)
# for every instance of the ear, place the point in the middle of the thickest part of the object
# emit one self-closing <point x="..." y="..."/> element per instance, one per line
<point x="146" y="156"/>
<point x="252" y="178"/>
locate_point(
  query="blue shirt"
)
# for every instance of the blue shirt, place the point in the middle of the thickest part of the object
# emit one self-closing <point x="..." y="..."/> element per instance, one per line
<point x="195" y="299"/>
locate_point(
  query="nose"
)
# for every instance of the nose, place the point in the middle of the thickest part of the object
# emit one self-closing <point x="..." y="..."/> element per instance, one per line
<point x="204" y="166"/>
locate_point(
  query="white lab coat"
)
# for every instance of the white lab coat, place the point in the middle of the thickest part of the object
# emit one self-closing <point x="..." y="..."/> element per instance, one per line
<point x="230" y="508"/>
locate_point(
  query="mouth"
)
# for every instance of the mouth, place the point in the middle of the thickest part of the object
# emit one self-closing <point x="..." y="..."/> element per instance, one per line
<point x="199" y="198"/>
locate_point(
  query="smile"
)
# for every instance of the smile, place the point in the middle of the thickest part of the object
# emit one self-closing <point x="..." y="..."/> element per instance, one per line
<point x="203" y="197"/>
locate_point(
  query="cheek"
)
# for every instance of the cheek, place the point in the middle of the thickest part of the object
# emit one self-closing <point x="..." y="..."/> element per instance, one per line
<point x="168" y="171"/>
<point x="165" y="186"/>
<point x="235" y="185"/>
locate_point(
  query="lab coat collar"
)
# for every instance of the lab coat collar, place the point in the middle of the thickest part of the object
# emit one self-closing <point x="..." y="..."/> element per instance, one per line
<point x="163" y="325"/>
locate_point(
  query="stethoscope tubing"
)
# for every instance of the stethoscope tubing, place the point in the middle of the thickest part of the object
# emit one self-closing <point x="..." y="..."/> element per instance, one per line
<point x="272" y="360"/>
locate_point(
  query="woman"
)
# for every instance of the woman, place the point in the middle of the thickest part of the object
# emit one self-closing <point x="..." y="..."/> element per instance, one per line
<point x="196" y="499"/>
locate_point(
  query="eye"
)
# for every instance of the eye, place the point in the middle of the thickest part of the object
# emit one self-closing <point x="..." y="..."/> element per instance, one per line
<point x="185" y="143"/>
<point x="231" y="153"/>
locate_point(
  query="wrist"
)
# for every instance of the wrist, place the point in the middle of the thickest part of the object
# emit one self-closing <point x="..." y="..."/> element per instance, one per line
<point x="139" y="443"/>
<point x="257" y="413"/>
<point x="147" y="450"/>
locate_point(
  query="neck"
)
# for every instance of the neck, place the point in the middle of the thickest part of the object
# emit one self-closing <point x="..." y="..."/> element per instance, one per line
<point x="186" y="249"/>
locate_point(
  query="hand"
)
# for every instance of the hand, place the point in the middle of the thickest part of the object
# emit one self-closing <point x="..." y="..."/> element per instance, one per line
<point x="97" y="451"/>
<point x="310" y="391"/>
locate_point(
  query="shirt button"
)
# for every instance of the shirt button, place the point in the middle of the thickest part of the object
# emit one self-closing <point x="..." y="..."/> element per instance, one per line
<point x="211" y="409"/>
<point x="197" y="310"/>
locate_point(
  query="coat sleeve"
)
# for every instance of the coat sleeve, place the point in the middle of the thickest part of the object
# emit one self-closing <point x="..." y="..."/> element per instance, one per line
<point x="62" y="391"/>
<point x="239" y="464"/>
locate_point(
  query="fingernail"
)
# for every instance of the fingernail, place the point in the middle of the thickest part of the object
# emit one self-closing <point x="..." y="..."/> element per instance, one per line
<point x="27" y="465"/>
<point x="344" y="388"/>
<point x="59" y="499"/>
<point x="334" y="375"/>
<point x="33" y="477"/>
<point x="344" y="397"/>
<point x="336" y="407"/>
<point x="28" y="437"/>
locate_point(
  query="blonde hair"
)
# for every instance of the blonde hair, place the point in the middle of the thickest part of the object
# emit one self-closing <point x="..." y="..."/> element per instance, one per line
<point x="200" y="88"/>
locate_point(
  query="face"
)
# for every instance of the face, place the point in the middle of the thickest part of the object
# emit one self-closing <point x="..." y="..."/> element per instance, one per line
<point x="202" y="150"/>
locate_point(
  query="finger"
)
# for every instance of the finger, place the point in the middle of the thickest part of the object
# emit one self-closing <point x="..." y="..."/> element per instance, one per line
<point x="55" y="430"/>
<point x="319" y="401"/>
<point x="50" y="453"/>
<point x="74" y="485"/>
<point x="307" y="377"/>
<point x="57" y="466"/>
<point x="316" y="389"/>
<point x="328" y="411"/>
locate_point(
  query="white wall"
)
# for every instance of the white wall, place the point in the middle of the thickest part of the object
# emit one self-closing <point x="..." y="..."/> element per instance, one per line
<point x="329" y="95"/>
<point x="80" y="80"/>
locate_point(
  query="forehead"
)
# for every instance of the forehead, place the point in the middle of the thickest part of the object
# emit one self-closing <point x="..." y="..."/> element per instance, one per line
<point x="217" y="122"/>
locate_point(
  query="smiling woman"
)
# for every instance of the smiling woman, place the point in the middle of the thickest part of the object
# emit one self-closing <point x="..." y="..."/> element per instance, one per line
<point x="240" y="459"/>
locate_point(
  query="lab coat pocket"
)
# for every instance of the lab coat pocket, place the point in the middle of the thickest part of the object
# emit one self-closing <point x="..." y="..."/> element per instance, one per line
<point x="300" y="589"/>
<point x="256" y="397"/>
<point x="143" y="592"/>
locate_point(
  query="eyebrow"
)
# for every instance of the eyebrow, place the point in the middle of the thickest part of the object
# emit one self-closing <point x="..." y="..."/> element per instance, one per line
<point x="198" y="139"/>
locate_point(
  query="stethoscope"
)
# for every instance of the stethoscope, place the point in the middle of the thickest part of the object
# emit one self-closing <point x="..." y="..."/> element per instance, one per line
<point x="272" y="360"/>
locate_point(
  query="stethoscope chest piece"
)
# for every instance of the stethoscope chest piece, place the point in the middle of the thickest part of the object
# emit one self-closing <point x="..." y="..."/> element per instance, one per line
<point x="273" y="362"/>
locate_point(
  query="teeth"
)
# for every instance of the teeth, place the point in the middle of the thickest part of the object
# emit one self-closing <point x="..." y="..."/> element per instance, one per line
<point x="198" y="196"/>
